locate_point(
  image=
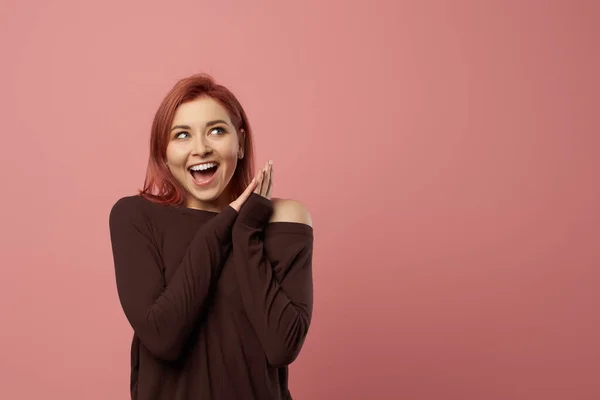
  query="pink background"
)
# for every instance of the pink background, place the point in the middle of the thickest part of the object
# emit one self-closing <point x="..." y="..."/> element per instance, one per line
<point x="447" y="150"/>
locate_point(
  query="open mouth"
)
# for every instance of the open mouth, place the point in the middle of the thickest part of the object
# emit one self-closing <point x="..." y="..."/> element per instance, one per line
<point x="203" y="173"/>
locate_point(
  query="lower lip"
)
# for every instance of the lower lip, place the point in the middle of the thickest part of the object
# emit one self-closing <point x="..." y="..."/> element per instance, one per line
<point x="206" y="182"/>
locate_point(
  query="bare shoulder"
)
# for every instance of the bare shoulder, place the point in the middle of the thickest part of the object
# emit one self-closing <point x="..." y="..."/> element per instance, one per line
<point x="288" y="210"/>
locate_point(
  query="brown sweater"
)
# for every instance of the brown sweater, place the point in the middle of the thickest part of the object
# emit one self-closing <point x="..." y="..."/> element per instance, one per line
<point x="220" y="303"/>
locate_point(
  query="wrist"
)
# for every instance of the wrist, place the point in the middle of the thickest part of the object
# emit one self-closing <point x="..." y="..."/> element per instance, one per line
<point x="256" y="211"/>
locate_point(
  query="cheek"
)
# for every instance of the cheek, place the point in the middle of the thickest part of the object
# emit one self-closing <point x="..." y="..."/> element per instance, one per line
<point x="229" y="152"/>
<point x="229" y="161"/>
<point x="174" y="156"/>
<point x="169" y="154"/>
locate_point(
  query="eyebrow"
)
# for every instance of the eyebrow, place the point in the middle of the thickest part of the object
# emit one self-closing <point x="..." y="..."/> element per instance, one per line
<point x="209" y="123"/>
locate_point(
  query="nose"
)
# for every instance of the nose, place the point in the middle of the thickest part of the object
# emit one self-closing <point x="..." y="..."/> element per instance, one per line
<point x="201" y="146"/>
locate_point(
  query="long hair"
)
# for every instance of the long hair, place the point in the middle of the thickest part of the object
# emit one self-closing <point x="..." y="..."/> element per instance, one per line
<point x="160" y="185"/>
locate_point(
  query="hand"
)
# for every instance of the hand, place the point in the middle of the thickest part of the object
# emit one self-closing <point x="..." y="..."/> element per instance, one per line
<point x="239" y="202"/>
<point x="264" y="181"/>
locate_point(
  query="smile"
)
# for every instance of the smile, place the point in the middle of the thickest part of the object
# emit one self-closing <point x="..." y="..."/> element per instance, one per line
<point x="204" y="173"/>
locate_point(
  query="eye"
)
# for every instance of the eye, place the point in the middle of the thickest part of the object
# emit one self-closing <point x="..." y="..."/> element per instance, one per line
<point x="178" y="135"/>
<point x="218" y="130"/>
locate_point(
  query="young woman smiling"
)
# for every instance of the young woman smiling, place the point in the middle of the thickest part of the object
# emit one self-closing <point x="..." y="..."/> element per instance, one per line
<point x="214" y="276"/>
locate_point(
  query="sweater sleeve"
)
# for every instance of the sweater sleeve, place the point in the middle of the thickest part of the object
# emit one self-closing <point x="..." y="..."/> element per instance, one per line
<point x="278" y="305"/>
<point x="163" y="316"/>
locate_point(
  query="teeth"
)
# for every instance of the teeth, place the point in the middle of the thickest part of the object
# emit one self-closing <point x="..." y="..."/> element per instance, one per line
<point x="202" y="167"/>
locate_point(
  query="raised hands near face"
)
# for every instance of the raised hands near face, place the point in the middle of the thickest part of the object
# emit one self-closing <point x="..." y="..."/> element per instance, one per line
<point x="262" y="184"/>
<point x="264" y="181"/>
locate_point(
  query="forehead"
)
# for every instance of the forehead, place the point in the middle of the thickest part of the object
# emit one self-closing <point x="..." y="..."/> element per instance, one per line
<point x="199" y="111"/>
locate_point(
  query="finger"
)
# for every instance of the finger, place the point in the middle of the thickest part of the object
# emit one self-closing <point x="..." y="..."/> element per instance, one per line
<point x="267" y="182"/>
<point x="237" y="203"/>
<point x="249" y="189"/>
<point x="257" y="186"/>
<point x="270" y="188"/>
<point x="259" y="182"/>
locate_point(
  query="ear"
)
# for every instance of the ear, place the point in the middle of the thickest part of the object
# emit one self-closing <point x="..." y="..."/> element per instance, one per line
<point x="242" y="142"/>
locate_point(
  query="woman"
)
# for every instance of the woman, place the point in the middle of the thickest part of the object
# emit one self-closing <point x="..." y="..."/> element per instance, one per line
<point x="213" y="275"/>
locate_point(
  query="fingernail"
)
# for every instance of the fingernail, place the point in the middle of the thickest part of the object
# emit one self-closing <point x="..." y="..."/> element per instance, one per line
<point x="270" y="162"/>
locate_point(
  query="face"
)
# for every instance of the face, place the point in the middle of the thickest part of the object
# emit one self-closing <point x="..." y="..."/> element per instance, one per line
<point x="202" y="153"/>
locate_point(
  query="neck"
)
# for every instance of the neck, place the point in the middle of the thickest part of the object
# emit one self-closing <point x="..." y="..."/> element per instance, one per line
<point x="216" y="205"/>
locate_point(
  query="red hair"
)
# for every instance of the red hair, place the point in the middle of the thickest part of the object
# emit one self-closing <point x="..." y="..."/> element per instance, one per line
<point x="160" y="185"/>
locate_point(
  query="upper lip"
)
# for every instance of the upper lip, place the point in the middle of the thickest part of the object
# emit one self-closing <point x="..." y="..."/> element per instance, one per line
<point x="201" y="163"/>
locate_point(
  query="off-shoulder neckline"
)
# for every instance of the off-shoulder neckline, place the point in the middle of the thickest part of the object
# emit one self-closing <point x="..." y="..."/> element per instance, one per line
<point x="277" y="226"/>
